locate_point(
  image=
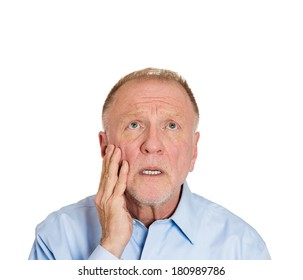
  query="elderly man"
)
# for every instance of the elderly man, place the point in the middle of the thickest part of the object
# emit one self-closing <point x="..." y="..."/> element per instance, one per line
<point x="144" y="208"/>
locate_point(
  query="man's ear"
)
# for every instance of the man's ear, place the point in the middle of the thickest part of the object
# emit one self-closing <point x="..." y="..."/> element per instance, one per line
<point x="103" y="142"/>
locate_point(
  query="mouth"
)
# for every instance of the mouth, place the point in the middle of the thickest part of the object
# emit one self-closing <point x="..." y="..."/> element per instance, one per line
<point x="151" y="172"/>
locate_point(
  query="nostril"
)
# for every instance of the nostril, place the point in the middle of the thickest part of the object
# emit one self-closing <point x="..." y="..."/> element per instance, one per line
<point x="152" y="150"/>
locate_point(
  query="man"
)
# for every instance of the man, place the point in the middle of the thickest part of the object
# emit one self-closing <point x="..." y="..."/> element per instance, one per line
<point x="144" y="208"/>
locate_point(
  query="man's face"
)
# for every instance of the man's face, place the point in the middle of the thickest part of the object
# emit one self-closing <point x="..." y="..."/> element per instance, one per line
<point x="153" y="123"/>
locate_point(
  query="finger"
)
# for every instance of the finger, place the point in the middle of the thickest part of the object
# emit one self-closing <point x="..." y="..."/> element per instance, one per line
<point x="105" y="166"/>
<point x="111" y="173"/>
<point x="114" y="162"/>
<point x="122" y="180"/>
<point x="106" y="160"/>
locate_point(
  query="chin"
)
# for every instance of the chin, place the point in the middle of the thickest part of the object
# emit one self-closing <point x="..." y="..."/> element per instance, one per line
<point x="143" y="201"/>
<point x="151" y="190"/>
<point x="155" y="198"/>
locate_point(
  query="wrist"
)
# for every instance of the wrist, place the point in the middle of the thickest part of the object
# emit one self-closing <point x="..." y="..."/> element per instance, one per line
<point x="114" y="248"/>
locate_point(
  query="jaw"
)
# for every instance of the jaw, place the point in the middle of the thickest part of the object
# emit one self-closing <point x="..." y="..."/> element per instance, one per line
<point x="151" y="190"/>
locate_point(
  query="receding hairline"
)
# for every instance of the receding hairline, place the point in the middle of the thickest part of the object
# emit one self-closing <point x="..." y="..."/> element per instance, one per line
<point x="150" y="74"/>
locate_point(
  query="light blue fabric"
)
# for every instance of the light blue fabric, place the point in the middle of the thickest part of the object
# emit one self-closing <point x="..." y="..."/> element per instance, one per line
<point x="198" y="229"/>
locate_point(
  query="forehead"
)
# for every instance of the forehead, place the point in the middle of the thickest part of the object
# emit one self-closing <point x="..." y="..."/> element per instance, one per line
<point x="138" y="95"/>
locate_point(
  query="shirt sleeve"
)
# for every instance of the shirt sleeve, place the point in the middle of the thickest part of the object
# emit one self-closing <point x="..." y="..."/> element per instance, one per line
<point x="101" y="253"/>
<point x="264" y="254"/>
<point x="40" y="251"/>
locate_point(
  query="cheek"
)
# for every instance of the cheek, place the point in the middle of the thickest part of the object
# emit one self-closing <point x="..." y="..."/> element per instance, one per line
<point x="129" y="152"/>
<point x="182" y="157"/>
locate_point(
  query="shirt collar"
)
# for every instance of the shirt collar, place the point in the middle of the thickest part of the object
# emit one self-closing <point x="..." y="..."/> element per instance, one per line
<point x="184" y="216"/>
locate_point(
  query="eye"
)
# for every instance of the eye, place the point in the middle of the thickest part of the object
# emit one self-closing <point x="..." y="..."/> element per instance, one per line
<point x="172" y="125"/>
<point x="133" y="125"/>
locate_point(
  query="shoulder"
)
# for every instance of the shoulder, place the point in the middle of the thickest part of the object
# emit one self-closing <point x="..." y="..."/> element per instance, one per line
<point x="71" y="232"/>
<point x="220" y="226"/>
<point x="69" y="214"/>
<point x="216" y="212"/>
<point x="217" y="216"/>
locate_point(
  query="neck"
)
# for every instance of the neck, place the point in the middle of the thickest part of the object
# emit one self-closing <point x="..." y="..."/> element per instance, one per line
<point x="147" y="214"/>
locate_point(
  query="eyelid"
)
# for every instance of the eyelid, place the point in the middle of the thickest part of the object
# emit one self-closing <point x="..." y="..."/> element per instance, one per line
<point x="139" y="125"/>
<point x="137" y="122"/>
<point x="174" y="122"/>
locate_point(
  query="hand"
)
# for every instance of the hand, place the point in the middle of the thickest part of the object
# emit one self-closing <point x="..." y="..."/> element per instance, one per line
<point x="115" y="220"/>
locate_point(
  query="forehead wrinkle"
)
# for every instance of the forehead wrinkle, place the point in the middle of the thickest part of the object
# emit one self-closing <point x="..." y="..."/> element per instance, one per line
<point x="153" y="108"/>
<point x="152" y="103"/>
<point x="141" y="113"/>
<point x="165" y="100"/>
<point x="135" y="94"/>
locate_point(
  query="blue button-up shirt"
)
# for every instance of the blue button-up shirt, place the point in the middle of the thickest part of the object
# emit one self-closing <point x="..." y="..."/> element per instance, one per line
<point x="198" y="229"/>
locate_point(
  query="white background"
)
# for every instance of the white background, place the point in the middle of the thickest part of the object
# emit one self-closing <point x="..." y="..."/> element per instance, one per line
<point x="242" y="59"/>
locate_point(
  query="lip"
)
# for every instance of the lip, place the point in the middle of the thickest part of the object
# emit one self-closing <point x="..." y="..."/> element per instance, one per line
<point x="151" y="171"/>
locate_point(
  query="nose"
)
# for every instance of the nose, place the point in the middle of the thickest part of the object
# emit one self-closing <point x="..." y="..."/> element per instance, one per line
<point x="152" y="143"/>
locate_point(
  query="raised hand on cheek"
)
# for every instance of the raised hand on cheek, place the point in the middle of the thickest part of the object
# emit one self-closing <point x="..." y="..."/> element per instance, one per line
<point x="115" y="220"/>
